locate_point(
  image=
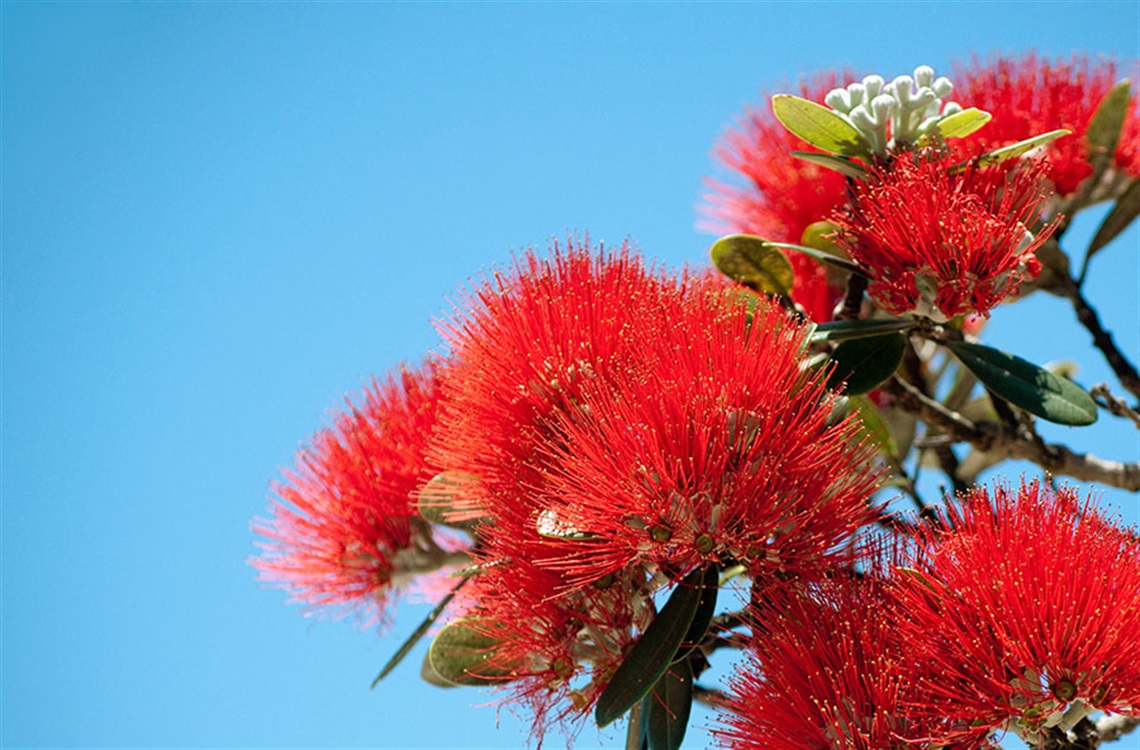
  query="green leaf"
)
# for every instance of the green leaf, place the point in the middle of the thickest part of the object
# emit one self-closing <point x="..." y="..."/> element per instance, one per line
<point x="841" y="164"/>
<point x="872" y="425"/>
<point x="652" y="653"/>
<point x="419" y="633"/>
<point x="861" y="364"/>
<point x="1013" y="150"/>
<point x="1028" y="386"/>
<point x="461" y="655"/>
<point x="820" y="126"/>
<point x="753" y="262"/>
<point x="706" y="607"/>
<point x="1125" y="211"/>
<point x="960" y="124"/>
<point x="820" y="255"/>
<point x="666" y="709"/>
<point x="1103" y="133"/>
<point x="840" y="330"/>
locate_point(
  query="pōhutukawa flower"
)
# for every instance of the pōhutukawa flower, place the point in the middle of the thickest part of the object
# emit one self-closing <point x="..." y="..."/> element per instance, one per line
<point x="942" y="238"/>
<point x="779" y="196"/>
<point x="1029" y="95"/>
<point x="1023" y="613"/>
<point x="826" y="670"/>
<point x="719" y="447"/>
<point x="344" y="530"/>
<point x="619" y="428"/>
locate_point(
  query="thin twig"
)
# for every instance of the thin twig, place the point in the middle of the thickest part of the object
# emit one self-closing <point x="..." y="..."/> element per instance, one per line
<point x="1114" y="405"/>
<point x="996" y="439"/>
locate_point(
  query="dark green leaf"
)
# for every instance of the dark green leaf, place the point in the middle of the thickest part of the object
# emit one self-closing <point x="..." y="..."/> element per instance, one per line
<point x="419" y="632"/>
<point x="754" y="263"/>
<point x="866" y="362"/>
<point x="839" y="330"/>
<point x="666" y="709"/>
<point x="841" y="164"/>
<point x="706" y="608"/>
<point x="820" y="126"/>
<point x="1024" y="384"/>
<point x="1103" y="133"/>
<point x="1125" y="211"/>
<point x="960" y="124"/>
<point x="461" y="655"/>
<point x="651" y="654"/>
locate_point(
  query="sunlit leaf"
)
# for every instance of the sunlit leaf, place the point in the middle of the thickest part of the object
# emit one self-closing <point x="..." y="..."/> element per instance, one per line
<point x="753" y="262"/>
<point x="1028" y="386"/>
<point x="1014" y="150"/>
<point x="960" y="124"/>
<point x="820" y="126"/>
<point x="1103" y="133"/>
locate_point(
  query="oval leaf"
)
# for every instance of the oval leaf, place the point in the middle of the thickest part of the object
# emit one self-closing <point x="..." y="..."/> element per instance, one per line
<point x="840" y="330"/>
<point x="1024" y="384"/>
<point x="820" y="126"/>
<point x="754" y="263"/>
<point x="861" y="364"/>
<point x="666" y="710"/>
<point x="652" y="653"/>
<point x="960" y="124"/>
<point x="1103" y="133"/>
<point x="461" y="655"/>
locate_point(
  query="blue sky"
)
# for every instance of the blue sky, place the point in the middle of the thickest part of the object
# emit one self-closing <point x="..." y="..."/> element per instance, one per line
<point x="221" y="219"/>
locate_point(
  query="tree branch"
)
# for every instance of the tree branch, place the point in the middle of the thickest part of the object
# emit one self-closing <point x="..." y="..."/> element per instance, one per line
<point x="1000" y="440"/>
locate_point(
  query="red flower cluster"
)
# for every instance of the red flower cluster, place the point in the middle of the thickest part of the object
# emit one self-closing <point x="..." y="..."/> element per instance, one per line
<point x="1024" y="613"/>
<point x="1030" y="95"/>
<point x="943" y="241"/>
<point x="621" y="427"/>
<point x="825" y="669"/>
<point x="344" y="526"/>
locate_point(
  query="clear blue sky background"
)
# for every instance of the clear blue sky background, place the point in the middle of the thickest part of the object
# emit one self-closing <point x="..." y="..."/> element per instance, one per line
<point x="221" y="218"/>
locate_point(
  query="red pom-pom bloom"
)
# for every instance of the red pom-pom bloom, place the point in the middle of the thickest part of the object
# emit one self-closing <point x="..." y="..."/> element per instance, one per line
<point x="344" y="528"/>
<point x="941" y="242"/>
<point x="1030" y="95"/>
<point x="825" y="671"/>
<point x="781" y="195"/>
<point x="1023" y="613"/>
<point x="721" y="447"/>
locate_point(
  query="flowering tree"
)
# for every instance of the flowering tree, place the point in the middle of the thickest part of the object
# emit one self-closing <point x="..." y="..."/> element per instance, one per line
<point x="614" y="471"/>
